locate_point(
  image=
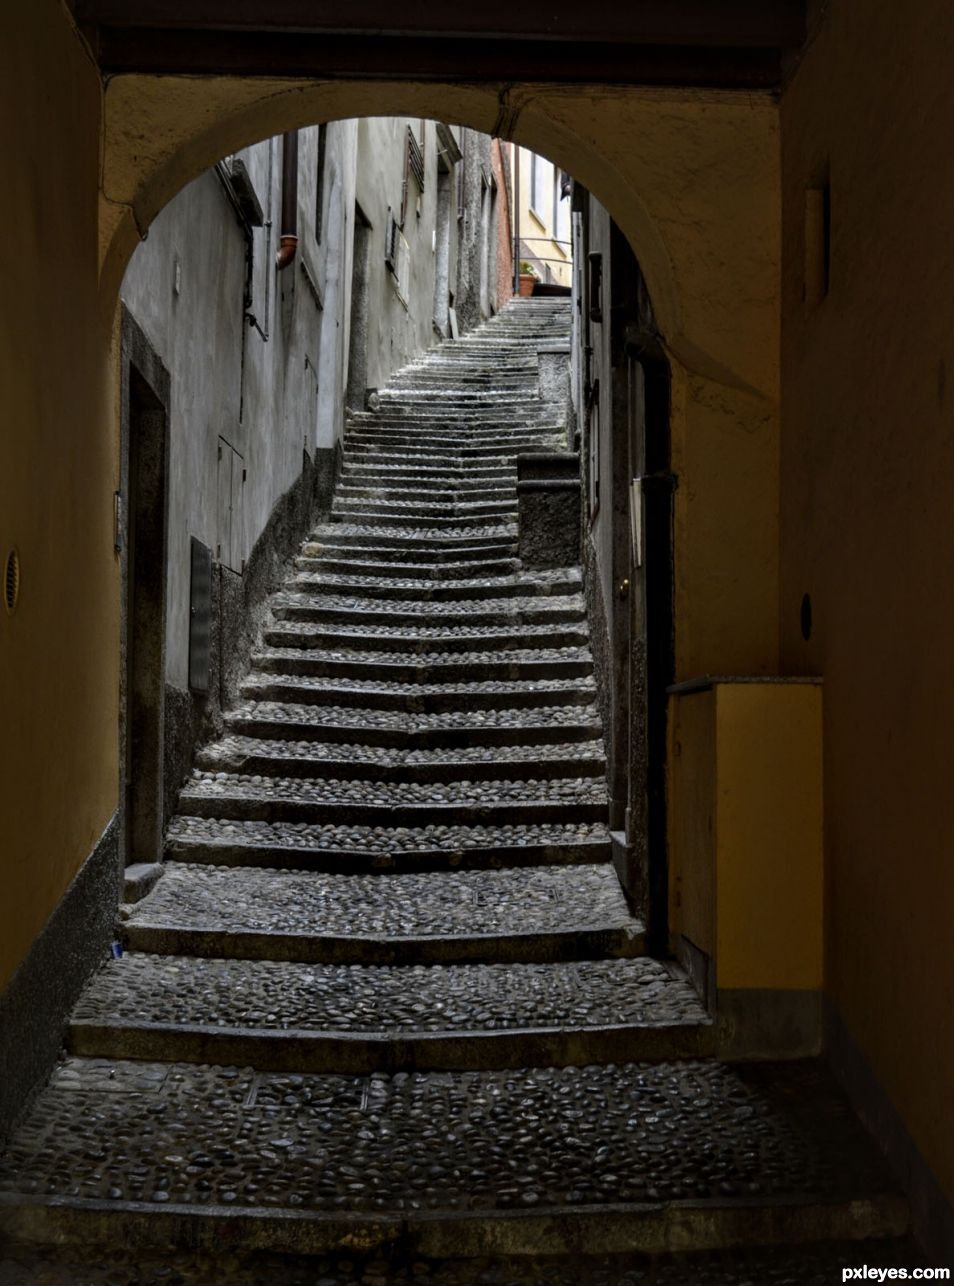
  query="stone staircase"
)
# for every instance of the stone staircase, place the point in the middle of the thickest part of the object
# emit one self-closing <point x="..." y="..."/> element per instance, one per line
<point x="387" y="1014"/>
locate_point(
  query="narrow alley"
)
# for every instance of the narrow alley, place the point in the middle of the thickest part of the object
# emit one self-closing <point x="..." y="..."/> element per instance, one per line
<point x="386" y="1010"/>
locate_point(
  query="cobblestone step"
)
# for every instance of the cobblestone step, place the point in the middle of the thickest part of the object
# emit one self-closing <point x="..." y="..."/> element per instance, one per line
<point x="425" y="640"/>
<point x="384" y="445"/>
<point x="333" y="609"/>
<point x="631" y="1157"/>
<point x="450" y="544"/>
<point x="397" y="518"/>
<point x="281" y="1016"/>
<point x="436" y="552"/>
<point x="366" y="849"/>
<point x="423" y="698"/>
<point x="444" y="570"/>
<point x="522" y="585"/>
<point x="535" y="913"/>
<point x="444" y="495"/>
<point x="255" y="756"/>
<point x="450" y="510"/>
<point x="543" y="726"/>
<point x="379" y="473"/>
<point x="261" y="797"/>
<point x="398" y="667"/>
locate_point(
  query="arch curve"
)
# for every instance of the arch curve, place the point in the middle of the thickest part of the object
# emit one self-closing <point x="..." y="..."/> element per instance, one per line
<point x="142" y="174"/>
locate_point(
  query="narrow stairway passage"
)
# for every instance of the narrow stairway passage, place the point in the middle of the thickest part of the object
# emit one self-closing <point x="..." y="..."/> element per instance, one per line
<point x="388" y="992"/>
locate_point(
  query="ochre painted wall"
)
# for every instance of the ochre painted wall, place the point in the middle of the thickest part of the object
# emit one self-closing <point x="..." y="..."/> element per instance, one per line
<point x="867" y="527"/>
<point x="59" y="652"/>
<point x="745" y="801"/>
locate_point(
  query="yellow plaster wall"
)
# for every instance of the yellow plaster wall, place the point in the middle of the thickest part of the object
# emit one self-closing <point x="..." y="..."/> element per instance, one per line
<point x="692" y="819"/>
<point x="867" y="528"/>
<point x="745" y="801"/>
<point x="58" y="653"/>
<point x="769" y="859"/>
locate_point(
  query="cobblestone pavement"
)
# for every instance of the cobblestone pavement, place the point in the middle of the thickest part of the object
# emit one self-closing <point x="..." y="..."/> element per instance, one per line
<point x="388" y="879"/>
<point x="492" y="997"/>
<point x="440" y="1141"/>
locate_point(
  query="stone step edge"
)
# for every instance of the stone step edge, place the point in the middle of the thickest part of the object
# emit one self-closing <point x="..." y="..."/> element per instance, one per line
<point x="361" y="1053"/>
<point x="270" y="808"/>
<point x="653" y="1228"/>
<point x="313" y="663"/>
<point x="438" y="772"/>
<point x="360" y="861"/>
<point x="568" y="943"/>
<point x="274" y="728"/>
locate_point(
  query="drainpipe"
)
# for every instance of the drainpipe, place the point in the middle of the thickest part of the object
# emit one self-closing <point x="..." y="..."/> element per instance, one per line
<point x="289" y="237"/>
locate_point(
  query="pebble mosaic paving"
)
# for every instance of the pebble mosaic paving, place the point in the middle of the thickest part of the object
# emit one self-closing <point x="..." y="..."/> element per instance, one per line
<point x="277" y="996"/>
<point x="464" y="1141"/>
<point x="433" y="904"/>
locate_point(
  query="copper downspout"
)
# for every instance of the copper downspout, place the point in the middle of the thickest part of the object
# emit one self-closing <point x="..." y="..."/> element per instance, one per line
<point x="289" y="234"/>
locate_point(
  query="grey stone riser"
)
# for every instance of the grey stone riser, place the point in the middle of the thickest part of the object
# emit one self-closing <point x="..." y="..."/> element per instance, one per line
<point x="491" y="735"/>
<point x="423" y="592"/>
<point x="357" y="1021"/>
<point x="364" y="1053"/>
<point x="437" y="551"/>
<point x="311" y="610"/>
<point x="439" y="769"/>
<point x="309" y="948"/>
<point x="394" y="641"/>
<point x="444" y="571"/>
<point x="408" y="514"/>
<point x="356" y="861"/>
<point x="515" y="1242"/>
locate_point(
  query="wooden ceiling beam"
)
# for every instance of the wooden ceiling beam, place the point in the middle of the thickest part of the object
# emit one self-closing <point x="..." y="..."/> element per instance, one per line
<point x="164" y="52"/>
<point x="753" y="24"/>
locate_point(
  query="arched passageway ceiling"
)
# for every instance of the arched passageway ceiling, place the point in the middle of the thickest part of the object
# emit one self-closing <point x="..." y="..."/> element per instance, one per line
<point x="691" y="176"/>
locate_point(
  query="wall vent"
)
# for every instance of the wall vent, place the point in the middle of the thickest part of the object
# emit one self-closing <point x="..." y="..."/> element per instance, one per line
<point x="11" y="581"/>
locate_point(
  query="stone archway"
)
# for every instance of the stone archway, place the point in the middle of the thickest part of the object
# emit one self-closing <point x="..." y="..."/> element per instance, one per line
<point x="690" y="177"/>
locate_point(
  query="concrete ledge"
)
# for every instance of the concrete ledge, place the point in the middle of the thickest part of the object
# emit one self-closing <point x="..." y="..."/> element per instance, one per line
<point x="931" y="1208"/>
<point x="36" y="1004"/>
<point x="504" y="948"/>
<point x="653" y="1228"/>
<point x="768" y="1023"/>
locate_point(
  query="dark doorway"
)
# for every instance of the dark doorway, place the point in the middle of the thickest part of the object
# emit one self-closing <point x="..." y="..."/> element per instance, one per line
<point x="643" y="641"/>
<point x="142" y="542"/>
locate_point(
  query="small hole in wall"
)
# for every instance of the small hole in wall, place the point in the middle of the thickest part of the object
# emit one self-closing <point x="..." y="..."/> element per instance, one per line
<point x="806" y="617"/>
<point x="11" y="581"/>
